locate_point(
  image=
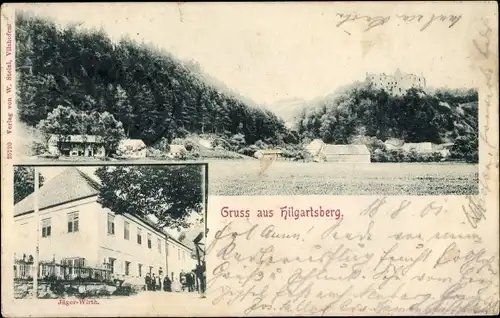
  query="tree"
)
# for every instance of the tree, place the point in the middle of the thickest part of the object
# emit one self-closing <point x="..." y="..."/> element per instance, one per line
<point x="24" y="182"/>
<point x="170" y="193"/>
<point x="110" y="129"/>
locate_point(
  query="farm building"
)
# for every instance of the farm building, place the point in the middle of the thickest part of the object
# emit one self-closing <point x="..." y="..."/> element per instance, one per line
<point x="271" y="154"/>
<point x="135" y="148"/>
<point x="345" y="153"/>
<point x="205" y="143"/>
<point x="444" y="149"/>
<point x="176" y="150"/>
<point x="314" y="147"/>
<point x="421" y="147"/>
<point x="393" y="143"/>
<point x="76" y="146"/>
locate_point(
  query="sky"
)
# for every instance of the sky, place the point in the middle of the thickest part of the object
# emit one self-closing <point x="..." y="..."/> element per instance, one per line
<point x="274" y="51"/>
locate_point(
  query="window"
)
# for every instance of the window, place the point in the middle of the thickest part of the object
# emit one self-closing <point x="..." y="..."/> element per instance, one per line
<point x="127" y="268"/>
<point x="139" y="236"/>
<point x="46" y="227"/>
<point x="149" y="240"/>
<point x="183" y="255"/>
<point x="179" y="254"/>
<point x="159" y="246"/>
<point x="126" y="230"/>
<point x="139" y="269"/>
<point x="72" y="222"/>
<point x="112" y="264"/>
<point x="111" y="224"/>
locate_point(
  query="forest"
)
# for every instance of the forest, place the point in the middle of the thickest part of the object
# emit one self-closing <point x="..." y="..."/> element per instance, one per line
<point x="139" y="90"/>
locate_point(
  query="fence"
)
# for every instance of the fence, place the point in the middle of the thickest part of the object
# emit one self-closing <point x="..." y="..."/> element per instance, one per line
<point x="24" y="270"/>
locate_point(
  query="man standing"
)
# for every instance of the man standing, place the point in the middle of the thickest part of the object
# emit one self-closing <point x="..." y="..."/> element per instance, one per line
<point x="153" y="283"/>
<point x="148" y="281"/>
<point x="189" y="281"/>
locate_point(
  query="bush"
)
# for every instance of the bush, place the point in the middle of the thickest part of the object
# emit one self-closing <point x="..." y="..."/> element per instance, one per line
<point x="399" y="155"/>
<point x="124" y="291"/>
<point x="466" y="149"/>
<point x="57" y="287"/>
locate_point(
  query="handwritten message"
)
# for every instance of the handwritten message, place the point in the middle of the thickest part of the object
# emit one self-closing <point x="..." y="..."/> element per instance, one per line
<point x="424" y="22"/>
<point x="475" y="209"/>
<point x="385" y="256"/>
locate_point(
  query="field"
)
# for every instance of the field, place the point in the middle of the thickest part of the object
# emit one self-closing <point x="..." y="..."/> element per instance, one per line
<point x="237" y="177"/>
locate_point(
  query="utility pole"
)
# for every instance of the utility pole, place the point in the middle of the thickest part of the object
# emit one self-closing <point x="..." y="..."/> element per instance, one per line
<point x="37" y="224"/>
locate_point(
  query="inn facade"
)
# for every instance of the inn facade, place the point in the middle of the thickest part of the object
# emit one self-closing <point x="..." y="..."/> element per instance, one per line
<point x="75" y="229"/>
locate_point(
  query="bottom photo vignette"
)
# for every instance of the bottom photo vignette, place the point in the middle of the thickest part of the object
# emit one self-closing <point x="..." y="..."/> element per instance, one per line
<point x="89" y="233"/>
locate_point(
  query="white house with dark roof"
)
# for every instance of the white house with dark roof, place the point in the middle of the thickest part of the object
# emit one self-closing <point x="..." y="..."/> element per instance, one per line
<point x="76" y="146"/>
<point x="345" y="153"/>
<point x="75" y="228"/>
<point x="133" y="148"/>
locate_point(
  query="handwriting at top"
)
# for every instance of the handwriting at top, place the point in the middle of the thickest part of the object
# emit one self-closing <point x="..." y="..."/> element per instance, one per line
<point x="379" y="20"/>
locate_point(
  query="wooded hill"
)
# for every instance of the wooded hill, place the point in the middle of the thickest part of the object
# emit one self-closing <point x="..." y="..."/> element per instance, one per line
<point x="417" y="116"/>
<point x="149" y="91"/>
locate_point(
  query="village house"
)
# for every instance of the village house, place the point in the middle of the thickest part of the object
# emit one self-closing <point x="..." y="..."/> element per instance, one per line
<point x="75" y="229"/>
<point x="320" y="151"/>
<point x="314" y="147"/>
<point x="76" y="146"/>
<point x="393" y="143"/>
<point x="345" y="153"/>
<point x="419" y="147"/>
<point x="176" y="150"/>
<point x="268" y="154"/>
<point x="133" y="148"/>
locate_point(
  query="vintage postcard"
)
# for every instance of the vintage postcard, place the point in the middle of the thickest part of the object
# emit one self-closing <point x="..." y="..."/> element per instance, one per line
<point x="250" y="159"/>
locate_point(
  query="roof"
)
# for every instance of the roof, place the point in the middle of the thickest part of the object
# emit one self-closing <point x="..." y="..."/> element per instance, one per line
<point x="78" y="138"/>
<point x="267" y="152"/>
<point x="205" y="143"/>
<point x="134" y="143"/>
<point x="315" y="144"/>
<point x="395" y="142"/>
<point x="418" y="146"/>
<point x="70" y="185"/>
<point x="346" y="150"/>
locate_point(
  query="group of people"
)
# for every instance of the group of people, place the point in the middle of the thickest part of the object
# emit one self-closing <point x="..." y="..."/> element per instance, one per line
<point x="185" y="281"/>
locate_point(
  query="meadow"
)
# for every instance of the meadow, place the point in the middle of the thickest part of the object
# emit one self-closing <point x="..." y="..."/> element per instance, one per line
<point x="241" y="177"/>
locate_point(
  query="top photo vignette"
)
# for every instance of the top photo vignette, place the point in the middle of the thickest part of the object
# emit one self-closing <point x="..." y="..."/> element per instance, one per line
<point x="88" y="92"/>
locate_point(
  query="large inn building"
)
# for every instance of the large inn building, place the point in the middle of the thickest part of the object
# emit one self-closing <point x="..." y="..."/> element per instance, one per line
<point x="74" y="228"/>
